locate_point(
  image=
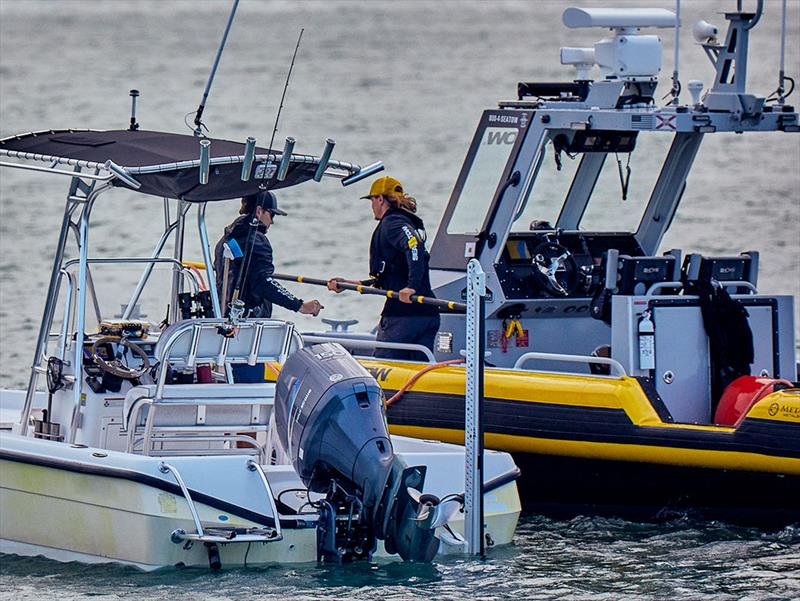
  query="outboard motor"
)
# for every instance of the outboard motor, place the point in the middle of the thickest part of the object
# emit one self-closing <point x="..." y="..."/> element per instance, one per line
<point x="331" y="421"/>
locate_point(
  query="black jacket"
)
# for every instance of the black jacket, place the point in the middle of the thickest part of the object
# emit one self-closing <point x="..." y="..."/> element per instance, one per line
<point x="259" y="291"/>
<point x="398" y="259"/>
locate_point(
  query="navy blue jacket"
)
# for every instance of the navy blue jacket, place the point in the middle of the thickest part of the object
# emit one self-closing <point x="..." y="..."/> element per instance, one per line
<point x="398" y="259"/>
<point x="259" y="291"/>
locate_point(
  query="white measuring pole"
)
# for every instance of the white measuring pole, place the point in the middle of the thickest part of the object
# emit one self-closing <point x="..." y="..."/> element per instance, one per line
<point x="473" y="410"/>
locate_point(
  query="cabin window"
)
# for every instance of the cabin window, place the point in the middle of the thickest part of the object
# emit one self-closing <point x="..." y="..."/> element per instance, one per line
<point x="548" y="192"/>
<point x="483" y="180"/>
<point x="606" y="211"/>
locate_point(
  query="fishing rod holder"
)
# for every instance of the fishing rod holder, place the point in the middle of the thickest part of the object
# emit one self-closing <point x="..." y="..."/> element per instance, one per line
<point x="205" y="160"/>
<point x="363" y="173"/>
<point x="283" y="167"/>
<point x="323" y="160"/>
<point x="249" y="155"/>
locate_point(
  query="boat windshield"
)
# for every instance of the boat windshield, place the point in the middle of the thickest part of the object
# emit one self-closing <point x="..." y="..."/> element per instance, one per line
<point x="484" y="177"/>
<point x="605" y="211"/>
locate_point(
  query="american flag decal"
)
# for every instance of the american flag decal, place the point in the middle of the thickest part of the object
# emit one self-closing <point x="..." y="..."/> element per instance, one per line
<point x="641" y="121"/>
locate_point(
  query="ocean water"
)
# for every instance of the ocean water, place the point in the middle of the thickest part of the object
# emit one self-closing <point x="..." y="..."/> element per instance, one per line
<point x="405" y="83"/>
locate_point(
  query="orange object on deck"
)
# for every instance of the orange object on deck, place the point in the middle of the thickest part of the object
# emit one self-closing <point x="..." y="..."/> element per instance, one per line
<point x="740" y="395"/>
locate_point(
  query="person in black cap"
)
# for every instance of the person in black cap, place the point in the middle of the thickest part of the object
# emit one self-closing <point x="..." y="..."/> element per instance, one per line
<point x="255" y="287"/>
<point x="398" y="261"/>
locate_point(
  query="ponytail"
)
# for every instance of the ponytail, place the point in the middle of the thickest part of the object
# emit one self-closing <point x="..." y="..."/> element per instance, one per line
<point x="404" y="201"/>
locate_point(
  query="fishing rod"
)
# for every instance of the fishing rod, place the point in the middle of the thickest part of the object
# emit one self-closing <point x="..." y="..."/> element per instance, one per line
<point x="248" y="254"/>
<point x="283" y="96"/>
<point x="361" y="289"/>
<point x="198" y="131"/>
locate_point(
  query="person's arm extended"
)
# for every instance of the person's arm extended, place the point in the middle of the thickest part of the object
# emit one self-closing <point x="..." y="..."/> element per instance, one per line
<point x="267" y="288"/>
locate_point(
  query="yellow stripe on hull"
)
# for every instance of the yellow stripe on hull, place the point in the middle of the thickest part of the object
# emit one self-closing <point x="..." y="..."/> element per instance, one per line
<point x="664" y="455"/>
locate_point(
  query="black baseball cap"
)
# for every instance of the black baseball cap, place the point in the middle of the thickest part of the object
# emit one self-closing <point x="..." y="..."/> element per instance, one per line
<point x="264" y="199"/>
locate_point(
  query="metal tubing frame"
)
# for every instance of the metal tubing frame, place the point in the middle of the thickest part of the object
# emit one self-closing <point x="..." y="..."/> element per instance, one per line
<point x="206" y="249"/>
<point x="101" y="178"/>
<point x="196" y="328"/>
<point x="50" y="304"/>
<point x="350" y="168"/>
<point x="255" y="467"/>
<point x="361" y="343"/>
<point x="613" y="363"/>
<point x="68" y="313"/>
<point x="89" y="280"/>
<point x="168" y="228"/>
<point x="166" y="468"/>
<point x="80" y="325"/>
<point x="180" y="230"/>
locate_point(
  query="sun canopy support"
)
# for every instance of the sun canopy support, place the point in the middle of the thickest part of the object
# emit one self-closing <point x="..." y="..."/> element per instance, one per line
<point x="168" y="165"/>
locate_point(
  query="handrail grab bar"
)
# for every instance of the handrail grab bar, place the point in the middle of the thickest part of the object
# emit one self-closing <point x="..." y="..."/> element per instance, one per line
<point x="253" y="466"/>
<point x="165" y="468"/>
<point x="613" y="363"/>
<point x="360" y="343"/>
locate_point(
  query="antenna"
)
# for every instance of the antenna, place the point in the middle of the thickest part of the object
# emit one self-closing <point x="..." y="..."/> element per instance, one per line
<point x="781" y="73"/>
<point x="134" y="125"/>
<point x="283" y="96"/>
<point x="198" y="131"/>
<point x="676" y="84"/>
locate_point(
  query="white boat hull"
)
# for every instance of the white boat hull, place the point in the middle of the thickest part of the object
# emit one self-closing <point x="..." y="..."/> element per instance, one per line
<point x="95" y="506"/>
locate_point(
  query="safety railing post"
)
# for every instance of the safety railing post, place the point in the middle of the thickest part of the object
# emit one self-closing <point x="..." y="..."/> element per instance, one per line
<point x="473" y="410"/>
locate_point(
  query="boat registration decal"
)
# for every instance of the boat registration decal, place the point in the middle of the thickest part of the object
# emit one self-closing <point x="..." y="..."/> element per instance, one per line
<point x="167" y="503"/>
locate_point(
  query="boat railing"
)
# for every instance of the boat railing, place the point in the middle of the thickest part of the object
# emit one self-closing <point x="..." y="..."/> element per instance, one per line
<point x="203" y="535"/>
<point x="590" y="359"/>
<point x="185" y="272"/>
<point x="218" y="418"/>
<point x="357" y="343"/>
<point x="658" y="286"/>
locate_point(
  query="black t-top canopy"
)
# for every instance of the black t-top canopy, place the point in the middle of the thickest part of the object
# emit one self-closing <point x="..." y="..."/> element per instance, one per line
<point x="155" y="160"/>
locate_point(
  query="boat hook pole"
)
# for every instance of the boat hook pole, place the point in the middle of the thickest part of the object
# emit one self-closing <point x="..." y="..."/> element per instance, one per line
<point x="198" y="131"/>
<point x="361" y="289"/>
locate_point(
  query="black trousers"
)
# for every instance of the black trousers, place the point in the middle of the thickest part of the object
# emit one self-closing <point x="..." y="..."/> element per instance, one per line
<point x="412" y="330"/>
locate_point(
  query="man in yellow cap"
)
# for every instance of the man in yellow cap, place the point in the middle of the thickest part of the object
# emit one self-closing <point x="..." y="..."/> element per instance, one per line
<point x="398" y="261"/>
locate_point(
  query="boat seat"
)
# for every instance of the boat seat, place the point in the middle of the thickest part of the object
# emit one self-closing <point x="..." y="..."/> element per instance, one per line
<point x="211" y="418"/>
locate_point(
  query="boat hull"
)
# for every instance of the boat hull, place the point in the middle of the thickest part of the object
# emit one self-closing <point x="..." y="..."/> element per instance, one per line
<point x="73" y="503"/>
<point x="607" y="445"/>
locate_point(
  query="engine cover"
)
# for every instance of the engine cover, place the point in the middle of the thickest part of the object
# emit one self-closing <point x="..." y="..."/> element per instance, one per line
<point x="331" y="421"/>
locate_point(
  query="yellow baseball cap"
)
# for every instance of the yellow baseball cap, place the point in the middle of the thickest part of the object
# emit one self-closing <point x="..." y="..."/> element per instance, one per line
<point x="383" y="186"/>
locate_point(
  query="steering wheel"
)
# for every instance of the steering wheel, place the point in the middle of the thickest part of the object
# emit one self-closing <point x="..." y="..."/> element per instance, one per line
<point x="115" y="366"/>
<point x="556" y="269"/>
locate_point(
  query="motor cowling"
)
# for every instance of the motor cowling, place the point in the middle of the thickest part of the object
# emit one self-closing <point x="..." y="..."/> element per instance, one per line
<point x="331" y="421"/>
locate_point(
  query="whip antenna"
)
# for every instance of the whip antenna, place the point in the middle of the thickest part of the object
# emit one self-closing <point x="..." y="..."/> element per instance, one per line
<point x="198" y="131"/>
<point x="283" y="96"/>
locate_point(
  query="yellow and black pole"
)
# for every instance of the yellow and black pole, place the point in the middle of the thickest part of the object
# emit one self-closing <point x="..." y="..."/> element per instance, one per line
<point x="361" y="289"/>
